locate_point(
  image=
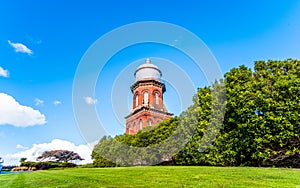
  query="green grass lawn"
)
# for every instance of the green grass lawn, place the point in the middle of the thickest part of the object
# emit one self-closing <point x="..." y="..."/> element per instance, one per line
<point x="158" y="176"/>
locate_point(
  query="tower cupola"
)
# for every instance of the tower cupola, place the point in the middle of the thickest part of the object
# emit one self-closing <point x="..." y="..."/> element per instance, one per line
<point x="147" y="71"/>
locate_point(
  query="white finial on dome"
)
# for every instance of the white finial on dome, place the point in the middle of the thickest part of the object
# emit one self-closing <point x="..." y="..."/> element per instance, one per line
<point x="148" y="61"/>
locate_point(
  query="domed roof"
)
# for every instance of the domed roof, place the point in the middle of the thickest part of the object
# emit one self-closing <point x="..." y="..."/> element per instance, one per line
<point x="147" y="71"/>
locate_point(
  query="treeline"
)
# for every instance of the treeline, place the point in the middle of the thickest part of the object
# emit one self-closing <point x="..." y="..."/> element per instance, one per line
<point x="47" y="165"/>
<point x="251" y="118"/>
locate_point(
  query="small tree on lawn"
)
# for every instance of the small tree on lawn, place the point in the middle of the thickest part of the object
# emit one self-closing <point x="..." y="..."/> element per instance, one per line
<point x="59" y="156"/>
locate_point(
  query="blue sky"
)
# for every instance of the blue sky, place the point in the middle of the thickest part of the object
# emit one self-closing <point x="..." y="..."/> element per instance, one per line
<point x="42" y="43"/>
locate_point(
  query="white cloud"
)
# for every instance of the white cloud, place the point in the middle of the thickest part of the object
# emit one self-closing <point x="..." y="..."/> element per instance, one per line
<point x="36" y="150"/>
<point x="3" y="72"/>
<point x="56" y="103"/>
<point x="90" y="100"/>
<point x="19" y="47"/>
<point x="19" y="146"/>
<point x="38" y="102"/>
<point x="13" y="113"/>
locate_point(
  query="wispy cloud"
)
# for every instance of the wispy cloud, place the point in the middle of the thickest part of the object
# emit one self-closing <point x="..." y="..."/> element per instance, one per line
<point x="13" y="113"/>
<point x="19" y="146"/>
<point x="19" y="47"/>
<point x="38" y="102"/>
<point x="3" y="72"/>
<point x="90" y="100"/>
<point x="34" y="40"/>
<point x="56" y="103"/>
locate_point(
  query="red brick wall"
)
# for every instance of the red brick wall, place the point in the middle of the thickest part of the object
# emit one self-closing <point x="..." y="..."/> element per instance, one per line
<point x="133" y="122"/>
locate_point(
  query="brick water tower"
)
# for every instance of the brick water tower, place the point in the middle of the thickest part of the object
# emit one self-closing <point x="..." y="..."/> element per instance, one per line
<point x="148" y="108"/>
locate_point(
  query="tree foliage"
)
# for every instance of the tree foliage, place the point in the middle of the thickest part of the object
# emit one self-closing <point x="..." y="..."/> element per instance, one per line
<point x="59" y="156"/>
<point x="261" y="125"/>
<point x="47" y="165"/>
<point x="137" y="149"/>
<point x="23" y="159"/>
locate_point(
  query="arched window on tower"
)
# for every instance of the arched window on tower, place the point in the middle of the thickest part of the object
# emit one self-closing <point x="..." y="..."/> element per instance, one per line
<point x="141" y="124"/>
<point x="156" y="98"/>
<point x="149" y="122"/>
<point x="128" y="128"/>
<point x="136" y="100"/>
<point x="146" y="98"/>
<point x="133" y="129"/>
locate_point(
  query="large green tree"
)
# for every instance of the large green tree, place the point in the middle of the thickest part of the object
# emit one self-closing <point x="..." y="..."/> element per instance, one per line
<point x="261" y="125"/>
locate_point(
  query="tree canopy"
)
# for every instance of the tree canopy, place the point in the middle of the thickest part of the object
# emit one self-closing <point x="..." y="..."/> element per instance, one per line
<point x="23" y="159"/>
<point x="59" y="156"/>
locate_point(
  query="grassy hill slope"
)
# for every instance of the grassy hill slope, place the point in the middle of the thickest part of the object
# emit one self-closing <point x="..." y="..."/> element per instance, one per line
<point x="158" y="176"/>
